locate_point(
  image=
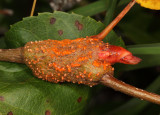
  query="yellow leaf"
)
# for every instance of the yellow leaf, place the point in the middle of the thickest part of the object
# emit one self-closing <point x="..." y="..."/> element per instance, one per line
<point x="151" y="4"/>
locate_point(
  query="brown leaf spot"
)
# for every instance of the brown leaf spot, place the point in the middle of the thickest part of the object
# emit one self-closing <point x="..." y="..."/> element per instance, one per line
<point x="79" y="99"/>
<point x="1" y="98"/>
<point x="52" y="20"/>
<point x="78" y="25"/>
<point x="47" y="112"/>
<point x="10" y="113"/>
<point x="47" y="101"/>
<point x="60" y="32"/>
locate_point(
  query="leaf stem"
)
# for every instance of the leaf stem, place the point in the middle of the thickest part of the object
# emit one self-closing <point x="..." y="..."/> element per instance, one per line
<point x="12" y="55"/>
<point x="105" y="32"/>
<point x="130" y="90"/>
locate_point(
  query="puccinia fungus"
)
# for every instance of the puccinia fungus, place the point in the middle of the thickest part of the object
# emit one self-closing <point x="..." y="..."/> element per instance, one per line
<point x="83" y="60"/>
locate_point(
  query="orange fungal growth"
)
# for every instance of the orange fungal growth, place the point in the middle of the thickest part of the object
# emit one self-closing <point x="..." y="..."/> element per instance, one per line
<point x="60" y="61"/>
<point x="96" y="63"/>
<point x="85" y="63"/>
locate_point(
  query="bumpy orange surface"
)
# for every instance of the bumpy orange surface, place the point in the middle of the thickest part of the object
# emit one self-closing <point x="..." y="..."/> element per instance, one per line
<point x="73" y="61"/>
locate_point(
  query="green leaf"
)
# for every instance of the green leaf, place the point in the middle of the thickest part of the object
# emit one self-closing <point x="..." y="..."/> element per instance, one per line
<point x="122" y="2"/>
<point x="40" y="28"/>
<point x="138" y="32"/>
<point x="145" y="49"/>
<point x="93" y="8"/>
<point x="96" y="7"/>
<point x="24" y="94"/>
<point x="110" y="12"/>
<point x="21" y="92"/>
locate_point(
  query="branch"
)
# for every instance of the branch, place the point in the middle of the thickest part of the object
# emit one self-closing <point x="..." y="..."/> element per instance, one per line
<point x="130" y="90"/>
<point x="12" y="55"/>
<point x="105" y="32"/>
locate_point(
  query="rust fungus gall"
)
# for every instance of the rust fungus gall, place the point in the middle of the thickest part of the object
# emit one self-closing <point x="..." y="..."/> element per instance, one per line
<point x="47" y="112"/>
<point x="79" y="99"/>
<point x="1" y="98"/>
<point x="60" y="32"/>
<point x="78" y="25"/>
<point x="10" y="113"/>
<point x="52" y="20"/>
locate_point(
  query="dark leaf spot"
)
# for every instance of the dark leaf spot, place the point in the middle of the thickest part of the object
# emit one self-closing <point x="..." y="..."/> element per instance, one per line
<point x="47" y="101"/>
<point x="1" y="98"/>
<point x="60" y="32"/>
<point x="47" y="112"/>
<point x="52" y="20"/>
<point x="79" y="99"/>
<point x="10" y="113"/>
<point x="78" y="25"/>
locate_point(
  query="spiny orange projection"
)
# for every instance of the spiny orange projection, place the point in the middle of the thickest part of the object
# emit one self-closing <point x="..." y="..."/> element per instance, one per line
<point x="83" y="60"/>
